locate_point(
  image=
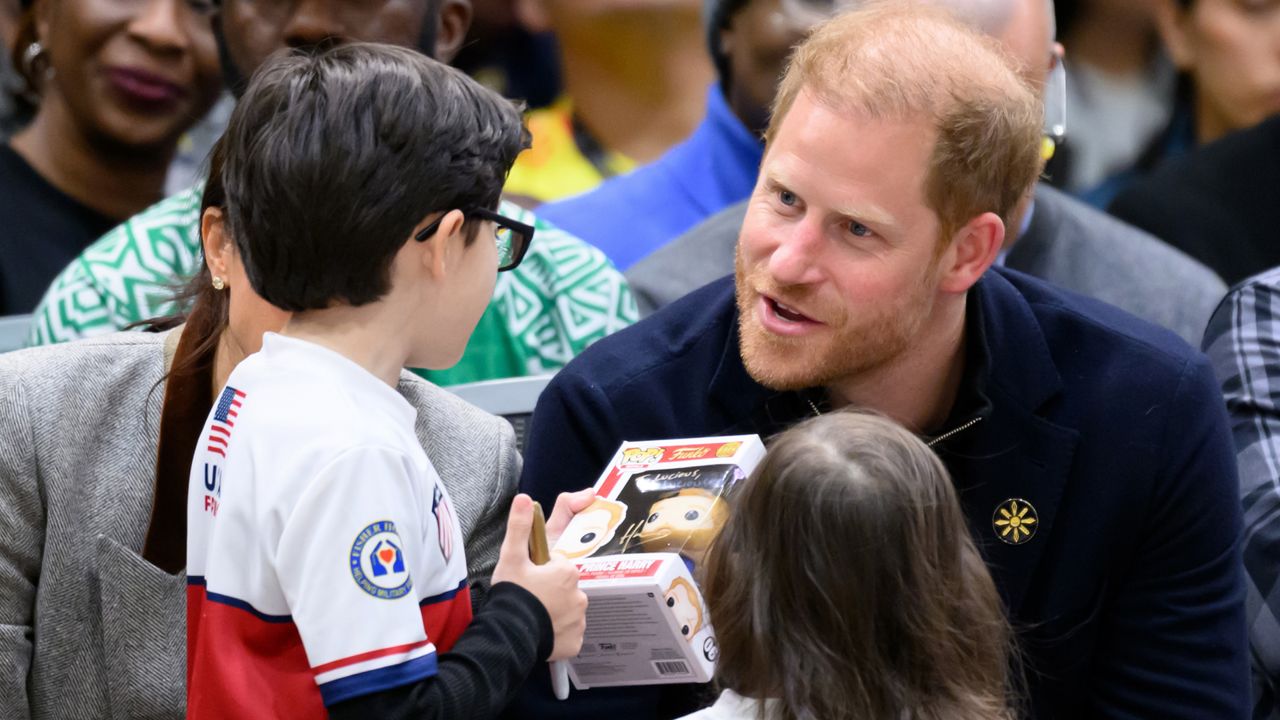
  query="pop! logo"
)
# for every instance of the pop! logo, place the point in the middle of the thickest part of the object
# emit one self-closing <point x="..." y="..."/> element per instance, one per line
<point x="641" y="456"/>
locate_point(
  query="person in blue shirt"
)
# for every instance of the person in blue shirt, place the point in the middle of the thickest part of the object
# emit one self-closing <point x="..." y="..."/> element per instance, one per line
<point x="630" y="216"/>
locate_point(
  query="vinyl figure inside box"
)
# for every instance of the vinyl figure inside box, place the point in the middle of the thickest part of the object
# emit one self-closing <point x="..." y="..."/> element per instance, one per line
<point x="658" y="506"/>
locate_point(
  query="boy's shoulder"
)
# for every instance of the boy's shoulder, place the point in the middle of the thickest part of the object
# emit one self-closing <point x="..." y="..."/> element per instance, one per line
<point x="315" y="414"/>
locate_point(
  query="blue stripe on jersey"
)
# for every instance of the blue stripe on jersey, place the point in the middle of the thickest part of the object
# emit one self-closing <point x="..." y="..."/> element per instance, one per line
<point x="236" y="602"/>
<point x="372" y="681"/>
<point x="446" y="595"/>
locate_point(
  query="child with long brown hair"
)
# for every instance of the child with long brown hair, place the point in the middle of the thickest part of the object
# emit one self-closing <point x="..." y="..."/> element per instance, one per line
<point x="845" y="585"/>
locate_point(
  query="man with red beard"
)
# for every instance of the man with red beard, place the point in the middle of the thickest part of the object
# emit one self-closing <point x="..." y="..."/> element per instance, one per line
<point x="1090" y="449"/>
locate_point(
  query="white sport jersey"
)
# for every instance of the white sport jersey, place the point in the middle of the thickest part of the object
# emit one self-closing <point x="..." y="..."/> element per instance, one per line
<point x="324" y="559"/>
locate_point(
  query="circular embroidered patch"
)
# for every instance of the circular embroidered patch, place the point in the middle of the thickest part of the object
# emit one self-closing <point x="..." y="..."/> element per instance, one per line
<point x="1015" y="521"/>
<point x="377" y="562"/>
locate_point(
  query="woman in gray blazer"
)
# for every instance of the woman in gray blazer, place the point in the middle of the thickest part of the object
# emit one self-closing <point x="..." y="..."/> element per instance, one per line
<point x="96" y="440"/>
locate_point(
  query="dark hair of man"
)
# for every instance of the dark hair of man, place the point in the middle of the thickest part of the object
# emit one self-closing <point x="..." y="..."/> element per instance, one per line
<point x="332" y="159"/>
<point x="722" y="11"/>
<point x="845" y="583"/>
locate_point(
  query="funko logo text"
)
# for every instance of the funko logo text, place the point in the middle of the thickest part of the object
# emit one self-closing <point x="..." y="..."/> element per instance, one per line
<point x="689" y="453"/>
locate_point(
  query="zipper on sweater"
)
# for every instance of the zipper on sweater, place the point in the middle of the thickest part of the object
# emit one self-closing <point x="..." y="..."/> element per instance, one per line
<point x="954" y="432"/>
<point x="944" y="436"/>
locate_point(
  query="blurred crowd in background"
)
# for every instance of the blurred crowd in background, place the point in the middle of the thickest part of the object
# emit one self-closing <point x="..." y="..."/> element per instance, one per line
<point x="677" y="88"/>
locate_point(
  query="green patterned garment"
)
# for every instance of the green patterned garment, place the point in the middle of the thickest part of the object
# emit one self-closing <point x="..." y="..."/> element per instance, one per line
<point x="563" y="297"/>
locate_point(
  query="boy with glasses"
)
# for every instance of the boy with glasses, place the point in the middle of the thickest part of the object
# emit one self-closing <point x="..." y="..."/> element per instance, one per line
<point x="326" y="570"/>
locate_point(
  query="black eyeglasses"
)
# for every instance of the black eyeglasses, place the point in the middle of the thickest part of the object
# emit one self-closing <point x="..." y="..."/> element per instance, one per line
<point x="512" y="237"/>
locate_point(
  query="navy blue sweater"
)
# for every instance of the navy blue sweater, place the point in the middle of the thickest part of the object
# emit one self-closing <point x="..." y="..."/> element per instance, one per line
<point x="1129" y="598"/>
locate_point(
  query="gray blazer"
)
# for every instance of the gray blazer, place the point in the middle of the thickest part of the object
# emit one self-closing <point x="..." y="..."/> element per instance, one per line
<point x="88" y="628"/>
<point x="1067" y="243"/>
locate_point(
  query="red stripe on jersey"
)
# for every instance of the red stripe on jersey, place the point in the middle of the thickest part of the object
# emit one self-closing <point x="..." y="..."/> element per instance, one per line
<point x="445" y="619"/>
<point x="220" y="440"/>
<point x="241" y="666"/>
<point x="218" y="428"/>
<point x="216" y="449"/>
<point x="367" y="656"/>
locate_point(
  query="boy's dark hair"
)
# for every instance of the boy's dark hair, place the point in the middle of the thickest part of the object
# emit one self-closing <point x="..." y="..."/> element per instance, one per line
<point x="333" y="157"/>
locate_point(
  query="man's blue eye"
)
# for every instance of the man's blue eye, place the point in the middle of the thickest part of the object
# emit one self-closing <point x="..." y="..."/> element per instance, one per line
<point x="787" y="197"/>
<point x="859" y="229"/>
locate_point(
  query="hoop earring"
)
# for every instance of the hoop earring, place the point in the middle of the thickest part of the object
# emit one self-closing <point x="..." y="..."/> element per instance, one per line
<point x="34" y="53"/>
<point x="219" y="283"/>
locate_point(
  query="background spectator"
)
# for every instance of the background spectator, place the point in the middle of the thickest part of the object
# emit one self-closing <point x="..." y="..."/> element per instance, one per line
<point x="1243" y="341"/>
<point x="1228" y="54"/>
<point x="117" y="87"/>
<point x="631" y="216"/>
<point x="1230" y="50"/>
<point x="634" y="74"/>
<point x="503" y="54"/>
<point x="1219" y="204"/>
<point x="1120" y="88"/>
<point x="564" y="296"/>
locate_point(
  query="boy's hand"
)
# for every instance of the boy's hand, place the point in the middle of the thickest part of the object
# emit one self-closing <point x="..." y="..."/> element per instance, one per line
<point x="567" y="505"/>
<point x="554" y="584"/>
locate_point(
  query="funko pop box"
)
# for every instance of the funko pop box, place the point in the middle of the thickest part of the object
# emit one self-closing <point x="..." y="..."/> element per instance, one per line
<point x="658" y="505"/>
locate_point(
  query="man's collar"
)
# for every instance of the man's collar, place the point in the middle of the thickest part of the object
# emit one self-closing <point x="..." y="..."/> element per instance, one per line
<point x="971" y="399"/>
<point x="1022" y="368"/>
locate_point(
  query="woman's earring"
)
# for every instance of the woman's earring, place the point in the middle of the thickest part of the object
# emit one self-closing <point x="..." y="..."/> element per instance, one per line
<point x="34" y="53"/>
<point x="218" y="283"/>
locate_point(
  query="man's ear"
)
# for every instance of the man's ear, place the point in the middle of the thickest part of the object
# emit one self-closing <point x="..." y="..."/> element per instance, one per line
<point x="451" y="28"/>
<point x="438" y="253"/>
<point x="1171" y="22"/>
<point x="973" y="249"/>
<point x="217" y="243"/>
<point x="532" y="15"/>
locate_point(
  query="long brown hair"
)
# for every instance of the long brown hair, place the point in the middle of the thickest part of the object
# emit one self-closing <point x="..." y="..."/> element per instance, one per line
<point x="845" y="583"/>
